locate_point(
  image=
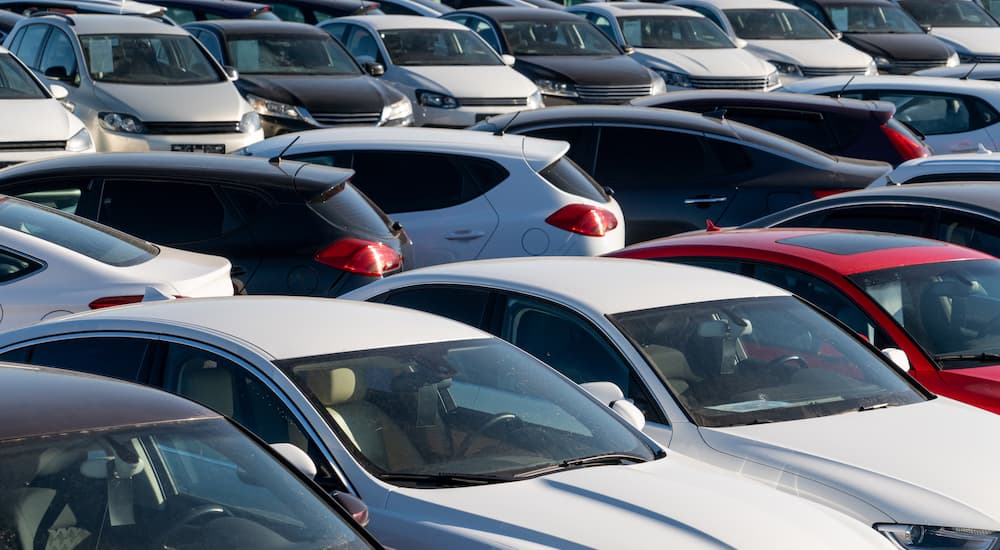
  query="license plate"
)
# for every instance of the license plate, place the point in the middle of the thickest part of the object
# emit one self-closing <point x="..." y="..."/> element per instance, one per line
<point x="199" y="148"/>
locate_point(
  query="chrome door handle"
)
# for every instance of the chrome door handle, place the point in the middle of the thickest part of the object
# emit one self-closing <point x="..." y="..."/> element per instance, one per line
<point x="464" y="235"/>
<point x="705" y="200"/>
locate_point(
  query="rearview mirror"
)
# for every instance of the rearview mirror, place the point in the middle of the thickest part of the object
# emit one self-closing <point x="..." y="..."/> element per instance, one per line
<point x="611" y="395"/>
<point x="296" y="457"/>
<point x="353" y="505"/>
<point x="508" y="60"/>
<point x="898" y="357"/>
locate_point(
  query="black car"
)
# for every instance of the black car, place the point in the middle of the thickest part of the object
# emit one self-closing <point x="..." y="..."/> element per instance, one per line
<point x="185" y="11"/>
<point x="566" y="56"/>
<point x="965" y="213"/>
<point x="298" y="77"/>
<point x="846" y="127"/>
<point x="287" y="227"/>
<point x="29" y="7"/>
<point x="671" y="171"/>
<point x="882" y="29"/>
<point x="314" y="11"/>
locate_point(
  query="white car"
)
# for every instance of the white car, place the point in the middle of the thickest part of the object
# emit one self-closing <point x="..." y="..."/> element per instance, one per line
<point x="784" y="35"/>
<point x="453" y="438"/>
<point x="682" y="46"/>
<point x="463" y="195"/>
<point x="980" y="166"/>
<point x="451" y="75"/>
<point x="36" y="125"/>
<point x="962" y="24"/>
<point x="53" y="264"/>
<point x="742" y="375"/>
<point x="956" y="116"/>
<point x="138" y="83"/>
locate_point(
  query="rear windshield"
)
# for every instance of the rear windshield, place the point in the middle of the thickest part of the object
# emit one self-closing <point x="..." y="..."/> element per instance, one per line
<point x="346" y="207"/>
<point x="82" y="236"/>
<point x="568" y="177"/>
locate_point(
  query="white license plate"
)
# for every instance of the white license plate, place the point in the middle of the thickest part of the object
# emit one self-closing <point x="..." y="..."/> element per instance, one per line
<point x="199" y="148"/>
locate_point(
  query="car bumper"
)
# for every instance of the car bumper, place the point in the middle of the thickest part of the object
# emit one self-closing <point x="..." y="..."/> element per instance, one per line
<point x="118" y="142"/>
<point x="17" y="157"/>
<point x="462" y="117"/>
<point x="274" y="126"/>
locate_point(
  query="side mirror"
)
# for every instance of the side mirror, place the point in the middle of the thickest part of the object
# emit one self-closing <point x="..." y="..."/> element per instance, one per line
<point x="231" y="73"/>
<point x="838" y="35"/>
<point x="610" y="394"/>
<point x="508" y="60"/>
<point x="296" y="457"/>
<point x="740" y="43"/>
<point x="57" y="73"/>
<point x="353" y="505"/>
<point x="374" y="69"/>
<point x="926" y="28"/>
<point x="629" y="50"/>
<point x="58" y="92"/>
<point x="898" y="357"/>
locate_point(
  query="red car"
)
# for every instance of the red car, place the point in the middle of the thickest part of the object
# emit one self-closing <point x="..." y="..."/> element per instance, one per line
<point x="938" y="302"/>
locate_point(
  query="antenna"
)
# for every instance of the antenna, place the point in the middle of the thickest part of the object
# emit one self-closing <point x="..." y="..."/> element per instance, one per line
<point x="502" y="131"/>
<point x="843" y="88"/>
<point x="276" y="160"/>
<point x="968" y="74"/>
<point x="718" y="112"/>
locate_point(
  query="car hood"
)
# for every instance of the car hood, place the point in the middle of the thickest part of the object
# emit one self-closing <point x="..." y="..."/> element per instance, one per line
<point x="810" y="53"/>
<point x="216" y="102"/>
<point x="36" y="120"/>
<point x="973" y="40"/>
<point x="721" y="63"/>
<point x="674" y="499"/>
<point x="904" y="47"/>
<point x="479" y="81"/>
<point x="586" y="70"/>
<point x="321" y="94"/>
<point x="892" y="452"/>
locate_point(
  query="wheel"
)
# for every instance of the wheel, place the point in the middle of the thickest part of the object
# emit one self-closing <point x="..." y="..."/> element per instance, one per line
<point x="494" y="421"/>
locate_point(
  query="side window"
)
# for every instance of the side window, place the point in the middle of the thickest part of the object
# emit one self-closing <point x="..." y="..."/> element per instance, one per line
<point x="338" y="31"/>
<point x="813" y="10"/>
<point x="486" y="32"/>
<point x="150" y="210"/>
<point x="808" y="128"/>
<point x="622" y="165"/>
<point x="287" y="12"/>
<point x="711" y="15"/>
<point x="28" y="44"/>
<point x="58" y="59"/>
<point x="339" y="159"/>
<point x="14" y="266"/>
<point x="968" y="230"/>
<point x="412" y="182"/>
<point x="181" y="15"/>
<point x="603" y="24"/>
<point x="212" y="44"/>
<point x="904" y="220"/>
<point x="936" y="114"/>
<point x="390" y="8"/>
<point x="363" y="47"/>
<point x="115" y="357"/>
<point x="467" y="305"/>
<point x="72" y="197"/>
<point x="582" y="141"/>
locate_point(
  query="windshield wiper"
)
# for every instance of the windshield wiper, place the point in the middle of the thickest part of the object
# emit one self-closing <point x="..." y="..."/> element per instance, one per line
<point x="876" y="406"/>
<point x="595" y="460"/>
<point x="446" y="479"/>
<point x="985" y="356"/>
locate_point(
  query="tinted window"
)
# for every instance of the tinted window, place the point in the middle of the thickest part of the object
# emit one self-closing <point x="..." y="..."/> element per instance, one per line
<point x="602" y="23"/>
<point x="286" y="12"/>
<point x="968" y="230"/>
<point x="581" y="141"/>
<point x="154" y="210"/>
<point x="679" y="156"/>
<point x="568" y="177"/>
<point x="27" y="44"/>
<point x="486" y="32"/>
<point x="181" y="15"/>
<point x="415" y="47"/>
<point x="907" y="221"/>
<point x="808" y="128"/>
<point x="114" y="357"/>
<point x="467" y="305"/>
<point x="348" y="208"/>
<point x="412" y="182"/>
<point x="212" y="44"/>
<point x="16" y="82"/>
<point x="776" y="24"/>
<point x="935" y="114"/>
<point x="13" y="266"/>
<point x="58" y="53"/>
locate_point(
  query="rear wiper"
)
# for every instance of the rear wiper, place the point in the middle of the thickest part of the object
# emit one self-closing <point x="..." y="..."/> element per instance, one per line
<point x="446" y="479"/>
<point x="968" y="357"/>
<point x="595" y="460"/>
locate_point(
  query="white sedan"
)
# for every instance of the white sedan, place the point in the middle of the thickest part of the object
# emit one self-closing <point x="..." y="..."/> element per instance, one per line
<point x="53" y="264"/>
<point x="454" y="438"/>
<point x="744" y="376"/>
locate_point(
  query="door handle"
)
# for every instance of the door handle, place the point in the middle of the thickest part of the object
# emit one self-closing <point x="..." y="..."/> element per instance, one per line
<point x="704" y="200"/>
<point x="464" y="235"/>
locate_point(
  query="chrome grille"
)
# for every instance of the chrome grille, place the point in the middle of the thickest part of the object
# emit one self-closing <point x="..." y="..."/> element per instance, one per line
<point x="32" y="145"/>
<point x="611" y="94"/>
<point x="730" y="83"/>
<point x="187" y="128"/>
<point x="832" y="71"/>
<point x="918" y="65"/>
<point x="493" y="101"/>
<point x="338" y="119"/>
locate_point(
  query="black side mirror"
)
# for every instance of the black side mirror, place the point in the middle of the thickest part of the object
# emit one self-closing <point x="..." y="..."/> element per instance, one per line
<point x="926" y="28"/>
<point x="58" y="73"/>
<point x="374" y="69"/>
<point x="629" y="50"/>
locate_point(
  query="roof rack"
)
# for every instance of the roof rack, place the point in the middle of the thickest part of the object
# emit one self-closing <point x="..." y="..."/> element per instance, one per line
<point x="65" y="17"/>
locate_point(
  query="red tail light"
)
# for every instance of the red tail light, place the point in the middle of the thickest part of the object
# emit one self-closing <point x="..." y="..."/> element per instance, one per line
<point x="820" y="193"/>
<point x="907" y="147"/>
<point x="111" y="301"/>
<point x="359" y="256"/>
<point x="584" y="219"/>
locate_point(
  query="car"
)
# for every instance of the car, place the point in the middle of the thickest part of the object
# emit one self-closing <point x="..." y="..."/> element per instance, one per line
<point x="682" y="46"/>
<point x="297" y="77"/>
<point x="53" y="263"/>
<point x="884" y="31"/>
<point x="37" y="124"/>
<point x="449" y="74"/>
<point x="465" y="195"/>
<point x="735" y="373"/>
<point x="7" y="22"/>
<point x="962" y="24"/>
<point x="785" y="36"/>
<point x="979" y="166"/>
<point x="287" y="227"/>
<point x="956" y="116"/>
<point x="965" y="71"/>
<point x="186" y="11"/>
<point x="29" y="7"/>
<point x="689" y="168"/>
<point x="563" y="54"/>
<point x="87" y="458"/>
<point x="438" y="427"/>
<point x="838" y="126"/>
<point x="314" y="11"/>
<point x="426" y="8"/>
<point x="459" y="4"/>
<point x="138" y="83"/>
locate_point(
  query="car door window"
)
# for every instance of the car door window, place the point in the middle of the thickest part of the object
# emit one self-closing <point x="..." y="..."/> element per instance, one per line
<point x="804" y="127"/>
<point x="286" y="12"/>
<point x="117" y="357"/>
<point x="889" y="219"/>
<point x="72" y="197"/>
<point x="363" y="46"/>
<point x="396" y="9"/>
<point x="165" y="212"/>
<point x="58" y="58"/>
<point x="338" y="31"/>
<point x="679" y="157"/>
<point x="212" y="44"/>
<point x="412" y="182"/>
<point x="467" y="305"/>
<point x="28" y="44"/>
<point x="603" y="24"/>
<point x="181" y="15"/>
<point x="14" y="266"/>
<point x="485" y="31"/>
<point x="711" y="15"/>
<point x="936" y="114"/>
<point x="968" y="230"/>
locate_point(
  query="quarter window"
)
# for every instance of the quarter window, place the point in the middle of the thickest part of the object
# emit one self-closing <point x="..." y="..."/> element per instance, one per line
<point x="115" y="357"/>
<point x="13" y="266"/>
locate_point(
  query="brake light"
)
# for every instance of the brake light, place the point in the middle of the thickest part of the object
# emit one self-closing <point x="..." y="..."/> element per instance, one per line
<point x="584" y="219"/>
<point x="820" y="193"/>
<point x="907" y="147"/>
<point x="360" y="256"/>
<point x="111" y="301"/>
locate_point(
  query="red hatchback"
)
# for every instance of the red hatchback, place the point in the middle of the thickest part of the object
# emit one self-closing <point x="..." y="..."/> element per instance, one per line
<point x="938" y="302"/>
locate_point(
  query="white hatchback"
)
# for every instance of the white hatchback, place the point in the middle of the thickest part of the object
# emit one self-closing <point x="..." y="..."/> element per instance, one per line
<point x="962" y="167"/>
<point x="463" y="195"/>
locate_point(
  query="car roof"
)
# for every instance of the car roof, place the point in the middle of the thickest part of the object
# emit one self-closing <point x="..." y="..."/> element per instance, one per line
<point x="930" y="83"/>
<point x="228" y="8"/>
<point x="975" y="71"/>
<point x="388" y="22"/>
<point x="511" y="13"/>
<point x="981" y="195"/>
<point x="283" y="327"/>
<point x="845" y="251"/>
<point x="90" y="6"/>
<point x="38" y="401"/>
<point x="856" y="3"/>
<point x="750" y="4"/>
<point x="783" y="100"/>
<point x="624" y="9"/>
<point x="258" y="26"/>
<point x="96" y="23"/>
<point x="606" y="285"/>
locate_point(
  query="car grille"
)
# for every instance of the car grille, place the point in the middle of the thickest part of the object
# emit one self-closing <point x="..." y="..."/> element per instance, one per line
<point x="811" y="72"/>
<point x="611" y="94"/>
<point x="338" y="119"/>
<point x="730" y="83"/>
<point x="32" y="145"/>
<point x="917" y="65"/>
<point x="192" y="127"/>
<point x="493" y="101"/>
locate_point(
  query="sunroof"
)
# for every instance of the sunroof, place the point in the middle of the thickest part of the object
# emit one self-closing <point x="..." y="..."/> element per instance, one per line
<point x="847" y="244"/>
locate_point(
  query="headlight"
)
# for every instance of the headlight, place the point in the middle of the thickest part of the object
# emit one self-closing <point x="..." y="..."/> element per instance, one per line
<point x="535" y="100"/>
<point x="118" y="122"/>
<point x="79" y="142"/>
<point x="773" y="80"/>
<point x="679" y="80"/>
<point x="399" y="113"/>
<point x="658" y="86"/>
<point x="250" y="122"/>
<point x="790" y="69"/>
<point x="268" y="107"/>
<point x="872" y="68"/>
<point x="555" y="87"/>
<point x="434" y="99"/>
<point x="933" y="538"/>
<point x="953" y="60"/>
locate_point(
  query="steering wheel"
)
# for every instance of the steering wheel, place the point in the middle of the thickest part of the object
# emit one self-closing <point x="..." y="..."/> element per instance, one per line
<point x="990" y="327"/>
<point x="787" y="359"/>
<point x="494" y="420"/>
<point x="191" y="516"/>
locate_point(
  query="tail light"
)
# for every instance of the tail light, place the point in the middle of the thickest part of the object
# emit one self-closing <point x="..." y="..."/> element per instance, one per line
<point x="584" y="219"/>
<point x="907" y="147"/>
<point x="360" y="256"/>
<point x="111" y="301"/>
<point x="820" y="193"/>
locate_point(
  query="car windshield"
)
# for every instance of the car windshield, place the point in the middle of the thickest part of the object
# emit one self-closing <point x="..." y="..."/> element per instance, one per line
<point x="284" y="54"/>
<point x="437" y="47"/>
<point x="556" y="38"/>
<point x="16" y="82"/>
<point x="674" y="33"/>
<point x="460" y="411"/>
<point x="147" y="59"/>
<point x="760" y="360"/>
<point x="937" y="13"/>
<point x="772" y="24"/>
<point x="184" y="485"/>
<point x="82" y="236"/>
<point x="952" y="309"/>
<point x="864" y="18"/>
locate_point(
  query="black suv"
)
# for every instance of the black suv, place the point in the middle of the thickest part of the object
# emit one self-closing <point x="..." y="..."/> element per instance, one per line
<point x="287" y="227"/>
